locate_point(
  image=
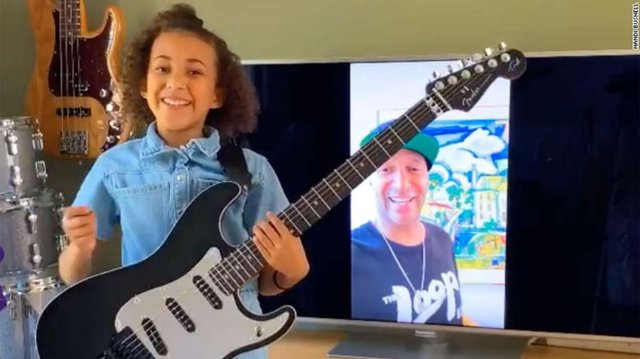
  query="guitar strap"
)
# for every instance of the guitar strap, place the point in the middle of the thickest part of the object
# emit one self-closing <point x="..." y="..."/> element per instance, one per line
<point x="232" y="160"/>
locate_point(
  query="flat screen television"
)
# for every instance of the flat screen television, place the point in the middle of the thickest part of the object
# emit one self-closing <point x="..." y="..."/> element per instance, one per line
<point x="529" y="205"/>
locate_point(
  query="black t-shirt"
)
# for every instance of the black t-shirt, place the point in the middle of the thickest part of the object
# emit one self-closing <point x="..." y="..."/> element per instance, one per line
<point x="380" y="290"/>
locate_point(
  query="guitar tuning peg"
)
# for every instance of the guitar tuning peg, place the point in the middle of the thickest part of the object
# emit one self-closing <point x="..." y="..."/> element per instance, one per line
<point x="502" y="46"/>
<point x="461" y="64"/>
<point x="488" y="51"/>
<point x="451" y="70"/>
<point x="476" y="57"/>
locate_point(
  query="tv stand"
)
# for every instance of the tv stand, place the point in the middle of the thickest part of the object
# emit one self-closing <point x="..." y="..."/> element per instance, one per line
<point x="428" y="345"/>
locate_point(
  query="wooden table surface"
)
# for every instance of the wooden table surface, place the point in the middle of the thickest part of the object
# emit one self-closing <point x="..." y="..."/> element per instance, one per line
<point x="313" y="344"/>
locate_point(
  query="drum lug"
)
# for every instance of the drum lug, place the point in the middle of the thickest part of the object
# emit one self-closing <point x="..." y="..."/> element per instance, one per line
<point x="12" y="141"/>
<point x="38" y="144"/>
<point x="63" y="242"/>
<point x="37" y="257"/>
<point x="11" y="304"/>
<point x="41" y="170"/>
<point x="32" y="218"/>
<point x="16" y="177"/>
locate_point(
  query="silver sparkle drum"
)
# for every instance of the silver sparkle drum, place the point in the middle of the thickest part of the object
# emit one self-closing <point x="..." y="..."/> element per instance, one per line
<point x="19" y="313"/>
<point x="31" y="236"/>
<point x="22" y="168"/>
<point x="13" y="327"/>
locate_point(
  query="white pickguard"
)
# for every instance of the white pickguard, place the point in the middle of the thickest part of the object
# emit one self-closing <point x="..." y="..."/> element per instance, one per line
<point x="218" y="332"/>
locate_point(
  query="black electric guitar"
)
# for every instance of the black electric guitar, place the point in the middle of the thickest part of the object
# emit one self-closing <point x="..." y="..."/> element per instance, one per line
<point x="182" y="301"/>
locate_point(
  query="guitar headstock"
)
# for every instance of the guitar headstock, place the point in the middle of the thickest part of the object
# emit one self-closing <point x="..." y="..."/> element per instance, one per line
<point x="463" y="87"/>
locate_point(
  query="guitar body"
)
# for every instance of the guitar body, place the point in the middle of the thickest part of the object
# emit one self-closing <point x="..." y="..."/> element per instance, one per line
<point x="70" y="86"/>
<point x="81" y="321"/>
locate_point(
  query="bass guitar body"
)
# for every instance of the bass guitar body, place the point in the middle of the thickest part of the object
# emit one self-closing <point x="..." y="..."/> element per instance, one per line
<point x="72" y="82"/>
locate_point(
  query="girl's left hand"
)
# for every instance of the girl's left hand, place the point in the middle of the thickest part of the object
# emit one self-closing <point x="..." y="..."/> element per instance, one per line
<point x="281" y="250"/>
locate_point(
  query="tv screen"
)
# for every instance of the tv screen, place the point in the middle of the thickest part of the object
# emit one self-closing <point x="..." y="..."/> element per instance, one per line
<point x="429" y="234"/>
<point x="528" y="205"/>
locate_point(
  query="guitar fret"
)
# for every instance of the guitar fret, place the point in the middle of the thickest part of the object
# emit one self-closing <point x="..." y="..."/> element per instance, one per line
<point x="343" y="180"/>
<point x="248" y="261"/>
<point x="320" y="197"/>
<point x="228" y="275"/>
<point x="249" y="275"/>
<point x="291" y="222"/>
<point x="217" y="280"/>
<point x="396" y="134"/>
<point x="412" y="123"/>
<point x="310" y="206"/>
<point x="301" y="215"/>
<point x="442" y="99"/>
<point x="369" y="159"/>
<point x="252" y="252"/>
<point x="331" y="188"/>
<point x="382" y="147"/>
<point x="355" y="169"/>
<point x="234" y="268"/>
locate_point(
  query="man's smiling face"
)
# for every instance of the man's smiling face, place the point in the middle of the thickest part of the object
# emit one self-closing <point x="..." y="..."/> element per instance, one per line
<point x="400" y="187"/>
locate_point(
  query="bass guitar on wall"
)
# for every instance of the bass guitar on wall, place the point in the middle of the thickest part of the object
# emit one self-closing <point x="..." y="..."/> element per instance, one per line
<point x="73" y="79"/>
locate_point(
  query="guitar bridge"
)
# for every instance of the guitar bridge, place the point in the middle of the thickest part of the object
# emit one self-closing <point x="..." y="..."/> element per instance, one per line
<point x="73" y="142"/>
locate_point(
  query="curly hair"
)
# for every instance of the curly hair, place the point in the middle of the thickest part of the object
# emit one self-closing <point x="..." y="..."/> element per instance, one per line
<point x="238" y="113"/>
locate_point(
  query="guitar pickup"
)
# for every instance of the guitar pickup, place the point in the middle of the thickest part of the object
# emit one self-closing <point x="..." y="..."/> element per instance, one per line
<point x="73" y="111"/>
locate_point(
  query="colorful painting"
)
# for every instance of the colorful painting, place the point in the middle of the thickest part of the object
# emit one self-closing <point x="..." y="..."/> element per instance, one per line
<point x="468" y="189"/>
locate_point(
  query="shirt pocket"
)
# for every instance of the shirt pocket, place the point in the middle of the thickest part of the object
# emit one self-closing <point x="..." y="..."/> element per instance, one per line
<point x="144" y="215"/>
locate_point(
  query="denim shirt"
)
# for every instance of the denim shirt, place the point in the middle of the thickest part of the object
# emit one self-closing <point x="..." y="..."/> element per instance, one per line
<point x="144" y="186"/>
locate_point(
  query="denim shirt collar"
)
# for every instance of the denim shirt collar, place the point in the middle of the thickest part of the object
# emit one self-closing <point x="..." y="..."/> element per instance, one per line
<point x="152" y="144"/>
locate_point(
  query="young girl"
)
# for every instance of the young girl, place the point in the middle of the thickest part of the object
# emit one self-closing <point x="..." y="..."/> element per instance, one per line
<point x="190" y="89"/>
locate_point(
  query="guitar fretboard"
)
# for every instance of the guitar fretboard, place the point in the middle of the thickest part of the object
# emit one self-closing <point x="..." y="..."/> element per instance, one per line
<point x="69" y="11"/>
<point x="246" y="261"/>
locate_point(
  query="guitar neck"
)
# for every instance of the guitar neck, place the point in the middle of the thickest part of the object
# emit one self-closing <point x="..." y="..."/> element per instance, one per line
<point x="246" y="262"/>
<point x="460" y="90"/>
<point x="70" y="20"/>
<point x="335" y="187"/>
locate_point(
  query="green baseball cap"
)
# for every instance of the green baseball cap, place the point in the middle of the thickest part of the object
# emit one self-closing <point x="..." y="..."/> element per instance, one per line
<point x="422" y="143"/>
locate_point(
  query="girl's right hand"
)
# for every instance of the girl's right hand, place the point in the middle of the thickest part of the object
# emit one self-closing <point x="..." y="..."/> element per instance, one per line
<point x="79" y="225"/>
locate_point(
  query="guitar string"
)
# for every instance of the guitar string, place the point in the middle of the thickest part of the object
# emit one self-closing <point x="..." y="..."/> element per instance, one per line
<point x="74" y="106"/>
<point x="68" y="66"/>
<point x="141" y="345"/>
<point x="79" y="83"/>
<point x="130" y="339"/>
<point x="61" y="52"/>
<point x="74" y="99"/>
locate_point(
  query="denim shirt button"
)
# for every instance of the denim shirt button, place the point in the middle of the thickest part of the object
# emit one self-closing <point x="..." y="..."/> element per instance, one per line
<point x="179" y="177"/>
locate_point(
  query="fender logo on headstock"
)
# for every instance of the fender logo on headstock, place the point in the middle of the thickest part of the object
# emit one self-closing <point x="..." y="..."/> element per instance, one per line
<point x="473" y="93"/>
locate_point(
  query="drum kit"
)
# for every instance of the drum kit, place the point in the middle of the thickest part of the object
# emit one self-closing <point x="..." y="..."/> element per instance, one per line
<point x="31" y="237"/>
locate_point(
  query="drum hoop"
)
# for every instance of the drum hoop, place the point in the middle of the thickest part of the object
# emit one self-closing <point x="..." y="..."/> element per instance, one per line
<point x="18" y="121"/>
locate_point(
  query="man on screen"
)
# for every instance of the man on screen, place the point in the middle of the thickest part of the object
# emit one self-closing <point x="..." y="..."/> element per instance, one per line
<point x="403" y="267"/>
